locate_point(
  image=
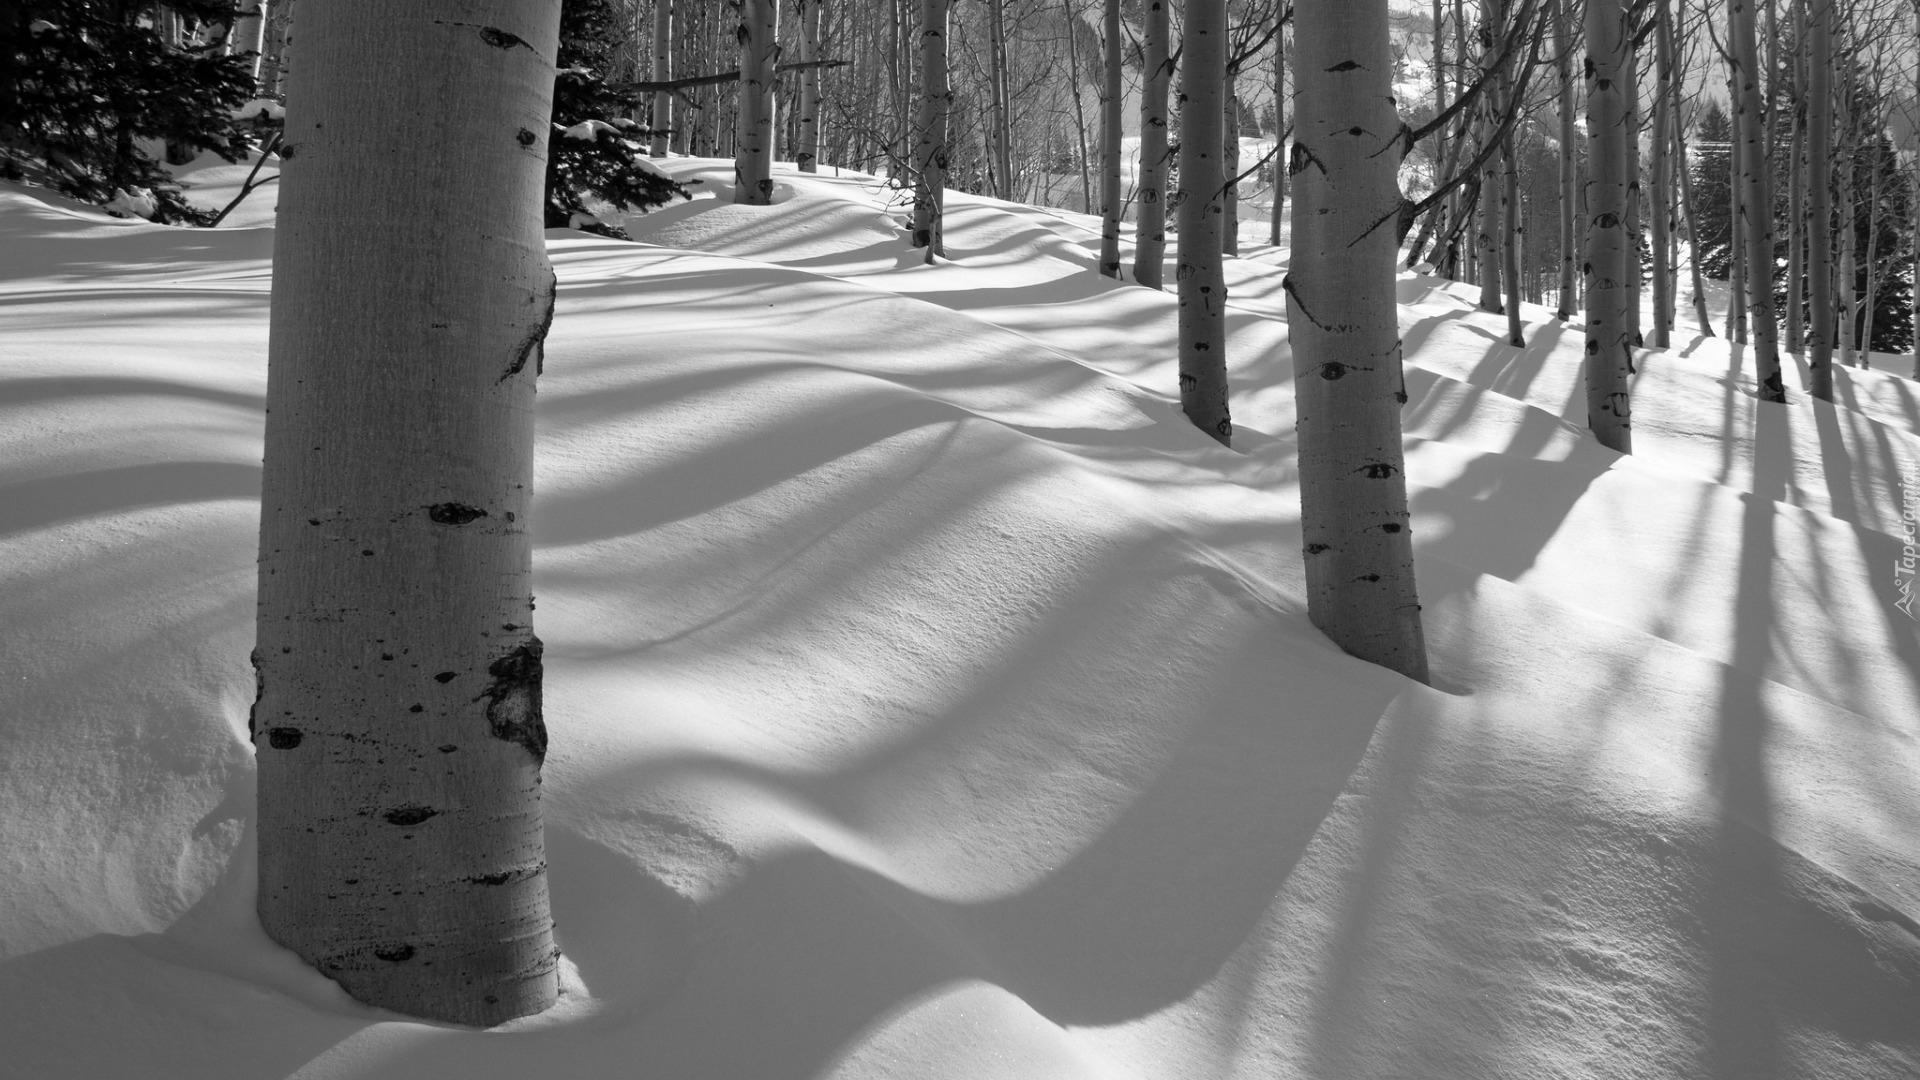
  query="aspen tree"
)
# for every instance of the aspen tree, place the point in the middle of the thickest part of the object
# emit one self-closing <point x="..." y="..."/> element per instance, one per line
<point x="754" y="142"/>
<point x="1661" y="203"/>
<point x="1230" y="165"/>
<point x="1797" y="188"/>
<point x="1488" y="240"/>
<point x="1002" y="126"/>
<point x="930" y="145"/>
<point x="1821" y="328"/>
<point x="1843" y="282"/>
<point x="662" y="115"/>
<point x="1610" y="123"/>
<point x="1757" y="200"/>
<point x="1341" y="312"/>
<point x="1200" y="276"/>
<point x="1110" y="106"/>
<point x="807" y="153"/>
<point x="1280" y="121"/>
<point x="398" y="722"/>
<point x="1150" y="223"/>
<point x="1678" y="135"/>
<point x="1563" y="66"/>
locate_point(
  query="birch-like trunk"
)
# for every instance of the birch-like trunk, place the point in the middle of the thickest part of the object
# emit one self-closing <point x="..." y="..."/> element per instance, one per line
<point x="1343" y="320"/>
<point x="1487" y="240"/>
<point x="1230" y="164"/>
<point x="1111" y="194"/>
<point x="1757" y="189"/>
<point x="1150" y="222"/>
<point x="1821" y="329"/>
<point x="1280" y="124"/>
<point x="930" y="145"/>
<point x="1660" y="206"/>
<point x="754" y="142"/>
<point x="1002" y="129"/>
<point x="1873" y="261"/>
<point x="1679" y="137"/>
<point x="661" y="117"/>
<point x="1079" y="106"/>
<point x="1514" y="238"/>
<point x="1736" y="240"/>
<point x="1200" y="276"/>
<point x="247" y="36"/>
<point x="398" y="724"/>
<point x="807" y="153"/>
<point x="1636" y="196"/>
<point x="1610" y="125"/>
<point x="1794" y="315"/>
<point x="276" y="49"/>
<point x="1569" y="259"/>
<point x="1849" y="141"/>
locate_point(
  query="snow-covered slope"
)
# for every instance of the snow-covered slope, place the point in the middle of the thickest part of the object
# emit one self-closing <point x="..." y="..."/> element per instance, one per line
<point x="928" y="699"/>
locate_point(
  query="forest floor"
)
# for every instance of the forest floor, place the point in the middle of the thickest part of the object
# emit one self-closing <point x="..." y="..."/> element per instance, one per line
<point x="928" y="699"/>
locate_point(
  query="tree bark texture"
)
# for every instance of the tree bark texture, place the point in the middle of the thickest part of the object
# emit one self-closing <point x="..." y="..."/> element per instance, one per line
<point x="661" y="117"/>
<point x="930" y="141"/>
<point x="1756" y="185"/>
<point x="1002" y="137"/>
<point x="1610" y="124"/>
<point x="807" y="153"/>
<point x="1488" y="238"/>
<point x="1200" y="277"/>
<point x="1280" y="124"/>
<point x="1569" y="260"/>
<point x="1660" y="205"/>
<point x="398" y="721"/>
<point x="1111" y="102"/>
<point x="1345" y="331"/>
<point x="1821" y="327"/>
<point x="1150" y="222"/>
<point x="754" y="147"/>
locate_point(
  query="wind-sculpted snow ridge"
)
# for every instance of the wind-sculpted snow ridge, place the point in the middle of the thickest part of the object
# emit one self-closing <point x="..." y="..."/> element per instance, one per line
<point x="928" y="699"/>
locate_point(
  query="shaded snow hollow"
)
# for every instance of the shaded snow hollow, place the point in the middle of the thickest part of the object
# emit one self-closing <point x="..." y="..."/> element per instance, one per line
<point x="928" y="699"/>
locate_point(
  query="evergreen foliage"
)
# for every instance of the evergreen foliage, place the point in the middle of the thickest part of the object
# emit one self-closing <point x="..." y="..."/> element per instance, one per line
<point x="86" y="82"/>
<point x="594" y="151"/>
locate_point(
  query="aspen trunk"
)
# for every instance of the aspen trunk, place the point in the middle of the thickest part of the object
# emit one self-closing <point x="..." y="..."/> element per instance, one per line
<point x="1439" y="98"/>
<point x="1487" y="241"/>
<point x="754" y="142"/>
<point x="1636" y="196"/>
<point x="1693" y="230"/>
<point x="1610" y="124"/>
<point x="807" y="153"/>
<point x="1849" y="139"/>
<point x="1230" y="165"/>
<point x="1873" y="261"/>
<point x="1280" y="124"/>
<point x="276" y="48"/>
<point x="247" y="37"/>
<point x="1757" y="189"/>
<point x="1794" y="315"/>
<point x="1079" y="108"/>
<point x="661" y="117"/>
<point x="1111" y="195"/>
<point x="1346" y="337"/>
<point x="398" y="723"/>
<point x="997" y="78"/>
<point x="1150" y="224"/>
<point x="1512" y="241"/>
<point x="1200" y="277"/>
<point x="1569" y="258"/>
<point x="930" y="147"/>
<point x="1821" y="330"/>
<point x="1660" y="205"/>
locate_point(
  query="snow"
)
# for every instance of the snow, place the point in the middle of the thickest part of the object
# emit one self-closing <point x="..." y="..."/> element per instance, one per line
<point x="929" y="699"/>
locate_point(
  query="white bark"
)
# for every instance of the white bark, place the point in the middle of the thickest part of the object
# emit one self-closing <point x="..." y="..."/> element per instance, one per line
<point x="1280" y="123"/>
<point x="1821" y="329"/>
<point x="1111" y="194"/>
<point x="1610" y="124"/>
<point x="398" y="724"/>
<point x="807" y="154"/>
<point x="1150" y="223"/>
<point x="1488" y="239"/>
<point x="1201" y="280"/>
<point x="1756" y="185"/>
<point x="1002" y="124"/>
<point x="754" y="142"/>
<point x="1346" y="338"/>
<point x="930" y="143"/>
<point x="661" y="118"/>
<point x="1661" y="204"/>
<point x="1569" y="259"/>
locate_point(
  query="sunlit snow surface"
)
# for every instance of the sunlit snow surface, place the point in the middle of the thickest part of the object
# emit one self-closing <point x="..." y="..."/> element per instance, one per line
<point x="929" y="699"/>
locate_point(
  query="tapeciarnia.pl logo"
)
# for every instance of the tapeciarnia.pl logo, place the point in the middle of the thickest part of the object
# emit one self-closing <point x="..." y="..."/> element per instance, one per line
<point x="1903" y="571"/>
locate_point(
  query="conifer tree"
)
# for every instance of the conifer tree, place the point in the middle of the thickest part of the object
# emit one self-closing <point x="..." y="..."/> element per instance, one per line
<point x="595" y="149"/>
<point x="82" y="82"/>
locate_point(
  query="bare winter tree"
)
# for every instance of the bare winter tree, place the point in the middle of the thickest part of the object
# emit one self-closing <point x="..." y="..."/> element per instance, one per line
<point x="1150" y="224"/>
<point x="1756" y="186"/>
<point x="1610" y="290"/>
<point x="930" y="140"/>
<point x="1200" y="275"/>
<point x="1346" y="337"/>
<point x="754" y="142"/>
<point x="398" y="721"/>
